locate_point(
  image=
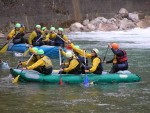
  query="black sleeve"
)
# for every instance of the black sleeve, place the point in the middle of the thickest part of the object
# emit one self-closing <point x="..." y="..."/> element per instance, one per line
<point x="118" y="52"/>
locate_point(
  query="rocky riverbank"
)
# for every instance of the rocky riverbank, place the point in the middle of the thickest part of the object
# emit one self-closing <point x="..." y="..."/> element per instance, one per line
<point x="124" y="20"/>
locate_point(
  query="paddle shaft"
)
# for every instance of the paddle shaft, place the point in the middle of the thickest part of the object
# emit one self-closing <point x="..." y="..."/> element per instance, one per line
<point x="29" y="59"/>
<point x="60" y="82"/>
<point x="85" y="56"/>
<point x="59" y="58"/>
<point x="106" y="54"/>
<point x="60" y="37"/>
<point x="39" y="38"/>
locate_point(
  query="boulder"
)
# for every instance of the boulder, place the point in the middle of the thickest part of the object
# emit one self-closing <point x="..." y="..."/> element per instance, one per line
<point x="123" y="12"/>
<point x="86" y="22"/>
<point x="98" y="20"/>
<point x="112" y="20"/>
<point x="76" y="27"/>
<point x="107" y="27"/>
<point x="118" y="16"/>
<point x="144" y="23"/>
<point x="85" y="29"/>
<point x="91" y="27"/>
<point x="136" y="16"/>
<point x="126" y="24"/>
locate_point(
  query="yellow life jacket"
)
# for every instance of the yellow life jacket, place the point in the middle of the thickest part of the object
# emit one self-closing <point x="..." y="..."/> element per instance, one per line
<point x="47" y="61"/>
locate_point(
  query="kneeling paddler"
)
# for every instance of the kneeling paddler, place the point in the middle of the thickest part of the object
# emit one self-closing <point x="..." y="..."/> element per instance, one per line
<point x="43" y="65"/>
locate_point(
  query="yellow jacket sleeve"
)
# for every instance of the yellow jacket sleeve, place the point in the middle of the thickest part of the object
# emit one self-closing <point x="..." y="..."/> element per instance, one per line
<point x="72" y="65"/>
<point x="40" y="62"/>
<point x="32" y="36"/>
<point x="11" y="34"/>
<point x="95" y="63"/>
<point x="53" y="35"/>
<point x="47" y="37"/>
<point x="80" y="51"/>
<point x="50" y="36"/>
<point x="66" y="63"/>
<point x="63" y="53"/>
<point x="24" y="63"/>
<point x="65" y="38"/>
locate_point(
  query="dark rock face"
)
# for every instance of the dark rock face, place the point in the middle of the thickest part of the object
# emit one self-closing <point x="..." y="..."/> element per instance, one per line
<point x="59" y="12"/>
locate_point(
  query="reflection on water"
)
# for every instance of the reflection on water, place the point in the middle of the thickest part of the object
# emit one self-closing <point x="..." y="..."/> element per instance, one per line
<point x="101" y="98"/>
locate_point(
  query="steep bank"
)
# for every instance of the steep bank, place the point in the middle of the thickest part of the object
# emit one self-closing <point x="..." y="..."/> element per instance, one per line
<point x="62" y="12"/>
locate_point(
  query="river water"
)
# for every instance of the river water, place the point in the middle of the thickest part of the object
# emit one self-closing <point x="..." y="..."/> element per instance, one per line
<point x="102" y="98"/>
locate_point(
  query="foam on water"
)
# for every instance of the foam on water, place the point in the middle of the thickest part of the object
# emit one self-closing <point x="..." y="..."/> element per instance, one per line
<point x="135" y="38"/>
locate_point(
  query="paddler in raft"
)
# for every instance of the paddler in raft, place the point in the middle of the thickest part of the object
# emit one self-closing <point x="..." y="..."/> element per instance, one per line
<point x="35" y="57"/>
<point x="73" y="66"/>
<point x="96" y="67"/>
<point x="120" y="60"/>
<point x="60" y="38"/>
<point x="17" y="34"/>
<point x="79" y="57"/>
<point x="44" y="32"/>
<point x="36" y="37"/>
<point x="50" y="38"/>
<point x="43" y="65"/>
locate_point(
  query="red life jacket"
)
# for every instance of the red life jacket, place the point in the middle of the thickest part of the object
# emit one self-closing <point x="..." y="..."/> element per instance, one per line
<point x="122" y="58"/>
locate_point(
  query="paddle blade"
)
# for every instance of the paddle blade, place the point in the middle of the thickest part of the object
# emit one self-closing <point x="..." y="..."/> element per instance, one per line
<point x="16" y="79"/>
<point x="4" y="49"/>
<point x="26" y="53"/>
<point x="86" y="81"/>
<point x="61" y="82"/>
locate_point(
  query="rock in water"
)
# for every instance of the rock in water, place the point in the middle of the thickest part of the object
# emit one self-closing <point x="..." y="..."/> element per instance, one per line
<point x="126" y="24"/>
<point x="136" y="16"/>
<point x="107" y="27"/>
<point x="123" y="12"/>
<point x="91" y="27"/>
<point x="144" y="23"/>
<point x="98" y="20"/>
<point x="4" y="65"/>
<point x="76" y="27"/>
<point x="86" y="22"/>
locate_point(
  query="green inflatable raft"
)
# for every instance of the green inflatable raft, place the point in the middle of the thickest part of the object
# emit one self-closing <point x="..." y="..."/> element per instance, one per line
<point x="34" y="76"/>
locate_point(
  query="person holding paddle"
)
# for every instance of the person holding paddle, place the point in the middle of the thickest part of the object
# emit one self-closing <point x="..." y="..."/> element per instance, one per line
<point x="50" y="38"/>
<point x="34" y="59"/>
<point x="44" y="32"/>
<point x="60" y="38"/>
<point x="80" y="58"/>
<point x="120" y="60"/>
<point x="36" y="37"/>
<point x="73" y="66"/>
<point x="17" y="34"/>
<point x="43" y="65"/>
<point x="96" y="67"/>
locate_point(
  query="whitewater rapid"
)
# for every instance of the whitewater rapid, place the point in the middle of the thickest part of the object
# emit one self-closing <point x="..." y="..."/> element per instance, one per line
<point x="135" y="38"/>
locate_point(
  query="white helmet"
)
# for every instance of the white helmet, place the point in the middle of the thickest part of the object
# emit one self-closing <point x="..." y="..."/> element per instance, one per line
<point x="96" y="51"/>
<point x="69" y="54"/>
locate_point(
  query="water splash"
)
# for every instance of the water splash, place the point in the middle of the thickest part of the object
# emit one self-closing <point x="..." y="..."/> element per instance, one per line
<point x="135" y="38"/>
